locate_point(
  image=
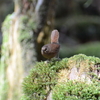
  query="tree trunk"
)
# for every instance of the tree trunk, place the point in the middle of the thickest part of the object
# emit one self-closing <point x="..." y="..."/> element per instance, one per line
<point x="20" y="30"/>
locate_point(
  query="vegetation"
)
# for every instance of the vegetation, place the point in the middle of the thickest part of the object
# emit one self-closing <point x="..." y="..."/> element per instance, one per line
<point x="76" y="91"/>
<point x="45" y="77"/>
<point x="4" y="59"/>
<point x="42" y="79"/>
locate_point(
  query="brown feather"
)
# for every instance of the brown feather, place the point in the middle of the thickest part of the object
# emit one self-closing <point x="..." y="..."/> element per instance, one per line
<point x="51" y="50"/>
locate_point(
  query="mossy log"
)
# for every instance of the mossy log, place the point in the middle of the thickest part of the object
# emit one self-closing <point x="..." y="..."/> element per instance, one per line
<point x="74" y="78"/>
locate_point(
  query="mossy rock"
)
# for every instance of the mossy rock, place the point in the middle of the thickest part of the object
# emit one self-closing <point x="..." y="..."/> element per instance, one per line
<point x="54" y="76"/>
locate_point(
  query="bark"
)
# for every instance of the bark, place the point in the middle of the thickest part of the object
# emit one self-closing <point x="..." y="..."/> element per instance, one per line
<point x="20" y="30"/>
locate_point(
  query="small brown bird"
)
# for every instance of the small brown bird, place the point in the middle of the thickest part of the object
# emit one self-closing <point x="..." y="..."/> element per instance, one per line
<point x="51" y="50"/>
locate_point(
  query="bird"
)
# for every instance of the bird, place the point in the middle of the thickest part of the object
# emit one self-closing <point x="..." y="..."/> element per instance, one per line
<point x="51" y="50"/>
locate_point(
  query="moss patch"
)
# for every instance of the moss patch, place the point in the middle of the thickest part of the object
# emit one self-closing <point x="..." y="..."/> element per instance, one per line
<point x="76" y="91"/>
<point x="42" y="79"/>
<point x="45" y="77"/>
<point x="4" y="58"/>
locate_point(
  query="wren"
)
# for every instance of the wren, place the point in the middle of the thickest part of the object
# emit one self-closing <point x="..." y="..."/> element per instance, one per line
<point x="51" y="50"/>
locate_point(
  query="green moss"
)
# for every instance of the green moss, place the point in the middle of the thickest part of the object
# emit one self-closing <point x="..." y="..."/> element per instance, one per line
<point x="45" y="77"/>
<point x="4" y="57"/>
<point x="81" y="57"/>
<point x="26" y="28"/>
<point x="5" y="30"/>
<point x="42" y="79"/>
<point x="26" y="39"/>
<point x="76" y="91"/>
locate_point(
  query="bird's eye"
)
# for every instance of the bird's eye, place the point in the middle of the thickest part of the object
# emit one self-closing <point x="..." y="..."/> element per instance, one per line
<point x="45" y="49"/>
